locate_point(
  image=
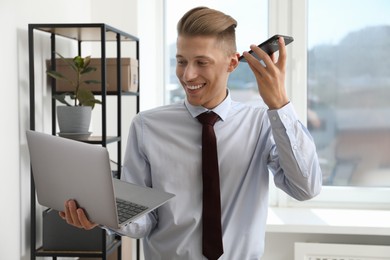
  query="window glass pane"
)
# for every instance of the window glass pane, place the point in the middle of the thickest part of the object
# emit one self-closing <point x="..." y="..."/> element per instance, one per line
<point x="349" y="90"/>
<point x="252" y="29"/>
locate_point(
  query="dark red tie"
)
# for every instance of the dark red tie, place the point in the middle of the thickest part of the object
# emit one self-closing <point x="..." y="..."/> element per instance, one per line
<point x="212" y="230"/>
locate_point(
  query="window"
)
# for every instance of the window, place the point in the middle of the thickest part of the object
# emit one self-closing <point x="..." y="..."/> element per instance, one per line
<point x="348" y="86"/>
<point x="252" y="29"/>
<point x="324" y="64"/>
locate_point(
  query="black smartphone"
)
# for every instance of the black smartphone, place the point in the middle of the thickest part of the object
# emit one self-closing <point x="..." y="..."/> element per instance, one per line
<point x="270" y="46"/>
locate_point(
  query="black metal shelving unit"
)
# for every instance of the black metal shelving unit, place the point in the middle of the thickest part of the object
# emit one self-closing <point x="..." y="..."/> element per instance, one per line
<point x="88" y="32"/>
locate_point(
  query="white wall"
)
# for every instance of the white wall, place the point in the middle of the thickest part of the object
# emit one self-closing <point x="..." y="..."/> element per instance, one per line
<point x="14" y="176"/>
<point x="15" y="15"/>
<point x="144" y="20"/>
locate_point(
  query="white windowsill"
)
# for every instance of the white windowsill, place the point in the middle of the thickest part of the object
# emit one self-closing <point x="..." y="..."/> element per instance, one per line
<point x="328" y="221"/>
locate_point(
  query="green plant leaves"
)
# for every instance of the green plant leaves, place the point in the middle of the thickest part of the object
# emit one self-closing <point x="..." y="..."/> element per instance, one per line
<point x="84" y="97"/>
<point x="62" y="98"/>
<point x="86" y="70"/>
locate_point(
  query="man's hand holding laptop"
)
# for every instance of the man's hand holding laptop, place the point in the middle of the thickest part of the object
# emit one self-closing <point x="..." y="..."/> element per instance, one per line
<point x="76" y="216"/>
<point x="111" y="202"/>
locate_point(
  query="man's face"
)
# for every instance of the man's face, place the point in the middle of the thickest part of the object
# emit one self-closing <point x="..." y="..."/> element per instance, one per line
<point x="203" y="69"/>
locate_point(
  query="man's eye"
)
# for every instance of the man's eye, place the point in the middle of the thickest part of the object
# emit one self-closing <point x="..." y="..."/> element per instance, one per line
<point x="180" y="62"/>
<point x="202" y="63"/>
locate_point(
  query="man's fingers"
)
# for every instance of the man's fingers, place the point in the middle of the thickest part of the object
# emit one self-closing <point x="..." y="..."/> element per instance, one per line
<point x="262" y="55"/>
<point x="269" y="61"/>
<point x="84" y="221"/>
<point x="281" y="63"/>
<point x="76" y="216"/>
<point x="256" y="65"/>
<point x="62" y="215"/>
<point x="71" y="214"/>
<point x="66" y="214"/>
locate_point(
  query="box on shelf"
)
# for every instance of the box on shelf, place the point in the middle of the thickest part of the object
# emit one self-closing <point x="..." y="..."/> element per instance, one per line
<point x="129" y="73"/>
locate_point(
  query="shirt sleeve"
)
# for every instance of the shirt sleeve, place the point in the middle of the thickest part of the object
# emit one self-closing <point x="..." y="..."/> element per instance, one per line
<point x="136" y="229"/>
<point x="136" y="169"/>
<point x="293" y="158"/>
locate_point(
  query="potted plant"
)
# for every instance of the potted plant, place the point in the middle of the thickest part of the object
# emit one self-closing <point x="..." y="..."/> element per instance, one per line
<point x="74" y="118"/>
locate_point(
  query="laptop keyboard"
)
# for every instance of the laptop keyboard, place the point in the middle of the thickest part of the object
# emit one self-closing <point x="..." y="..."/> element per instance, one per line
<point x="127" y="210"/>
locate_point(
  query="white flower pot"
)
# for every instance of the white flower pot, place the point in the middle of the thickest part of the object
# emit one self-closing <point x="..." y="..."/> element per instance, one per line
<point x="74" y="119"/>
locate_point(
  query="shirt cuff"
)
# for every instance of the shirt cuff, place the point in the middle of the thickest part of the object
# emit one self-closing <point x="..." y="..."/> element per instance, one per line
<point x="283" y="117"/>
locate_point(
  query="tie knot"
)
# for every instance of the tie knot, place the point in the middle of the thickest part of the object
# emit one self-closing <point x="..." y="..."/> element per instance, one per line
<point x="208" y="118"/>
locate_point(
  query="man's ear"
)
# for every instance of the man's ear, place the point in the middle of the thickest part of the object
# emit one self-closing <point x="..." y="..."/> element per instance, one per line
<point x="233" y="62"/>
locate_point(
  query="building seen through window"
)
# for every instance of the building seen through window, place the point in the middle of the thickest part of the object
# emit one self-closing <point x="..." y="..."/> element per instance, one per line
<point x="349" y="90"/>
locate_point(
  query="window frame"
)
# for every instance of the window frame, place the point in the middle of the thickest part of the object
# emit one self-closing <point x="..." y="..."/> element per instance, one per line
<point x="290" y="17"/>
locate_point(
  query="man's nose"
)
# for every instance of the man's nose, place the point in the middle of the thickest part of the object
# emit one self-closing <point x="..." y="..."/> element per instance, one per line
<point x="190" y="73"/>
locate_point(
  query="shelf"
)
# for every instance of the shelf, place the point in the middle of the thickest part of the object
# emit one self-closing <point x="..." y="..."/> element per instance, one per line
<point x="114" y="93"/>
<point x="109" y="93"/>
<point x="84" y="32"/>
<point x="98" y="139"/>
<point x="113" y="246"/>
<point x="93" y="32"/>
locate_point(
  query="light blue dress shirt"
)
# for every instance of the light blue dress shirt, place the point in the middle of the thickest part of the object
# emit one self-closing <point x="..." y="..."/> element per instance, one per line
<point x="164" y="152"/>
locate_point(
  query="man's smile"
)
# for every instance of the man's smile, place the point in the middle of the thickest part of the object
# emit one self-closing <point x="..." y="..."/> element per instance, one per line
<point x="194" y="87"/>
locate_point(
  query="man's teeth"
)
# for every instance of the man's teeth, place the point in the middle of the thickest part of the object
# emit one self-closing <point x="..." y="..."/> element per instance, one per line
<point x="195" y="87"/>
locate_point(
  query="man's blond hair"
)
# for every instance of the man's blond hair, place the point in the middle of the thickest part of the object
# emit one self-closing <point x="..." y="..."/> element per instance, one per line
<point x="204" y="21"/>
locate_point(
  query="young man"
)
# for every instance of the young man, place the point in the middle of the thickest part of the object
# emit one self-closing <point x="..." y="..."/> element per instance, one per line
<point x="164" y="150"/>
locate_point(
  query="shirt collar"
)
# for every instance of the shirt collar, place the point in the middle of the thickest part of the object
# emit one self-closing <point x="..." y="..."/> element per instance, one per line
<point x="221" y="110"/>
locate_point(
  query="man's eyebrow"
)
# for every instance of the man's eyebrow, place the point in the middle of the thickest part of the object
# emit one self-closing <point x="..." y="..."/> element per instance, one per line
<point x="197" y="57"/>
<point x="203" y="57"/>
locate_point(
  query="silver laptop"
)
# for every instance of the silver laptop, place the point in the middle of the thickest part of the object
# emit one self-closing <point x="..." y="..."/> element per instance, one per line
<point x="66" y="169"/>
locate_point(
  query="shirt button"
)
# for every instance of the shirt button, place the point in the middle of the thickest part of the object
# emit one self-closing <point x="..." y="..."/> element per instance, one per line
<point x="295" y="147"/>
<point x="274" y="118"/>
